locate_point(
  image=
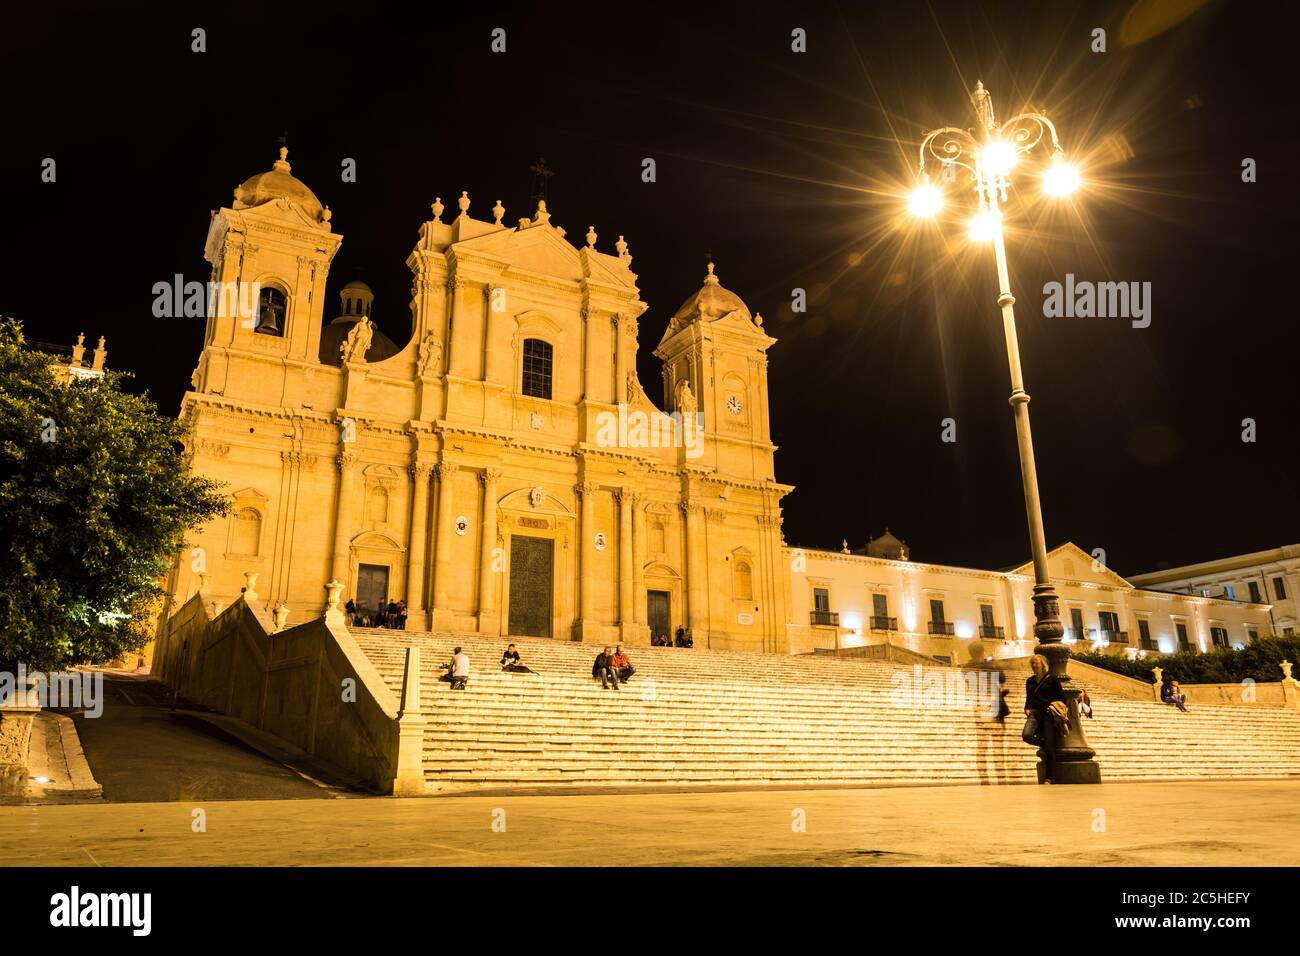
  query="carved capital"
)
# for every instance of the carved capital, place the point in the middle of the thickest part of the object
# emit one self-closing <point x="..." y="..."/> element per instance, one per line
<point x="585" y="488"/>
<point x="445" y="470"/>
<point x="489" y="476"/>
<point x="345" y="460"/>
<point x="454" y="283"/>
<point x="420" y="470"/>
<point x="715" y="514"/>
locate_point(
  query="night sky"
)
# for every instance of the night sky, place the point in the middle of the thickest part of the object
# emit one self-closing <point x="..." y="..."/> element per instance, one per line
<point x="787" y="168"/>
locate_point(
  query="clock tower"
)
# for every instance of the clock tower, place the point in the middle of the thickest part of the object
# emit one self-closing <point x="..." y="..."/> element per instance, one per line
<point x="718" y="349"/>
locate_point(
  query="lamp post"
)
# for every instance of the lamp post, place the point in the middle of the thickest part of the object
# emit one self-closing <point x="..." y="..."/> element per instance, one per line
<point x="988" y="154"/>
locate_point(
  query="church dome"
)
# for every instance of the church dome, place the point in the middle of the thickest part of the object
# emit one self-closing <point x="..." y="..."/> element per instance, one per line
<point x="711" y="303"/>
<point x="276" y="183"/>
<point x="356" y="301"/>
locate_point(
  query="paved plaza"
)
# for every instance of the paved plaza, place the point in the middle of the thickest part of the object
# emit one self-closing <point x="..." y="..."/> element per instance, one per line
<point x="1230" y="823"/>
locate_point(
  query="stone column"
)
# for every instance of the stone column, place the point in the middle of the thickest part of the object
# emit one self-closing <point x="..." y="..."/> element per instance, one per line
<point x="620" y="359"/>
<point x="587" y="491"/>
<point x="638" y="559"/>
<point x="696" y="573"/>
<point x="442" y="544"/>
<point x="346" y="462"/>
<point x="456" y="345"/>
<point x="590" y="365"/>
<point x="487" y="583"/>
<point x="626" y="615"/>
<point x="418" y="541"/>
<point x="495" y="368"/>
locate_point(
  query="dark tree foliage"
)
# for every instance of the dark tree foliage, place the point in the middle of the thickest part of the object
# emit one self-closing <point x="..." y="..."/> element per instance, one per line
<point x="95" y="503"/>
<point x="1259" y="661"/>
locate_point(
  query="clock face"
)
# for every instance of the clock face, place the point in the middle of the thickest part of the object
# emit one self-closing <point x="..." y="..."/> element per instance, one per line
<point x="733" y="404"/>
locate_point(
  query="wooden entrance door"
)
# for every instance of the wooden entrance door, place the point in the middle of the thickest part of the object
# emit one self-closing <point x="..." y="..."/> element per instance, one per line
<point x="372" y="586"/>
<point x="659" y="612"/>
<point x="531" y="572"/>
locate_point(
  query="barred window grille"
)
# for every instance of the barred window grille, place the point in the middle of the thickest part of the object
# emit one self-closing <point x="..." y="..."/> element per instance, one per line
<point x="537" y="368"/>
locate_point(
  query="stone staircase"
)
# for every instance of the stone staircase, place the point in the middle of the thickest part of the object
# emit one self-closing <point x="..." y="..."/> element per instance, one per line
<point x="731" y="719"/>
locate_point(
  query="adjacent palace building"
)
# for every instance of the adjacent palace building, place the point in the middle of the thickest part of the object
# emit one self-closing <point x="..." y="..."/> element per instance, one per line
<point x="504" y="473"/>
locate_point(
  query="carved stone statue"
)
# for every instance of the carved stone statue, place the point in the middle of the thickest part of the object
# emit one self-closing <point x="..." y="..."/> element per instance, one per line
<point x="633" y="386"/>
<point x="430" y="355"/>
<point x="686" y="399"/>
<point x="356" y="346"/>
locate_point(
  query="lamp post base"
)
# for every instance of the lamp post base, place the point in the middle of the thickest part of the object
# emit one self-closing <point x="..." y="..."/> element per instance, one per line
<point x="1072" y="760"/>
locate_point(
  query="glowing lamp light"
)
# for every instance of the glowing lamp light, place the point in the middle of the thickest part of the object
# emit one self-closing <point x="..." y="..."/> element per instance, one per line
<point x="999" y="158"/>
<point x="1166" y="645"/>
<point x="925" y="201"/>
<point x="964" y="630"/>
<point x="851" y="620"/>
<point x="1061" y="179"/>
<point x="985" y="226"/>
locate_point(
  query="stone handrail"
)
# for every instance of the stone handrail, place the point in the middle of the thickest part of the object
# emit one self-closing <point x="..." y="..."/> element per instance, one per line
<point x="311" y="685"/>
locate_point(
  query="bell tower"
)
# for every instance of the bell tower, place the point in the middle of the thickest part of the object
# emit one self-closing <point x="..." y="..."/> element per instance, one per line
<point x="270" y="253"/>
<point x="715" y="357"/>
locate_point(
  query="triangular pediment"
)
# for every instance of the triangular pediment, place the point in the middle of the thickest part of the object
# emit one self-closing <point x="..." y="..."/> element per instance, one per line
<point x="1069" y="562"/>
<point x="539" y="249"/>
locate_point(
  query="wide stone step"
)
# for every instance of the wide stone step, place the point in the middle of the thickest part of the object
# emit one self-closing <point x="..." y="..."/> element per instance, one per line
<point x="697" y="717"/>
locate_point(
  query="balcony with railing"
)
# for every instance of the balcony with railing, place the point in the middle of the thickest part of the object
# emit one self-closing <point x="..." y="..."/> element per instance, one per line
<point x="825" y="618"/>
<point x="943" y="627"/>
<point x="884" y="623"/>
<point x="1112" y="637"/>
<point x="992" y="630"/>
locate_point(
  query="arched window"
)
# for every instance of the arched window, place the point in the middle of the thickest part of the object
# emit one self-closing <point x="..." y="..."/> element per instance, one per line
<point x="744" y="582"/>
<point x="246" y="538"/>
<point x="272" y="307"/>
<point x="538" y="356"/>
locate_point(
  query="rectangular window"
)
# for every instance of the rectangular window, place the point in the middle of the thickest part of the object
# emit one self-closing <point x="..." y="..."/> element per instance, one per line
<point x="537" y="368"/>
<point x="1183" y="643"/>
<point x="1252" y="634"/>
<point x="1219" y="636"/>
<point x="1254" y="592"/>
<point x="1109" y="621"/>
<point x="1279" y="589"/>
<point x="1144" y="632"/>
<point x="936" y="610"/>
<point x="880" y="605"/>
<point x="986" y="615"/>
<point x="821" y="599"/>
<point x="1076" y="623"/>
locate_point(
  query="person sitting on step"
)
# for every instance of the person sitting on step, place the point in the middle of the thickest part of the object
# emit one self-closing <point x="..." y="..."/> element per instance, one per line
<point x="362" y="615"/>
<point x="351" y="612"/>
<point x="604" y="669"/>
<point x="622" y="665"/>
<point x="401" y="615"/>
<point x="1085" y="705"/>
<point x="457" y="671"/>
<point x="393" y="614"/>
<point x="511" y="663"/>
<point x="1171" y="693"/>
<point x="683" y="639"/>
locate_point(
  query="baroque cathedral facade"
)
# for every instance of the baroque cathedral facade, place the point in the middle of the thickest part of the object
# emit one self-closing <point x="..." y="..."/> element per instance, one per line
<point x="503" y="471"/>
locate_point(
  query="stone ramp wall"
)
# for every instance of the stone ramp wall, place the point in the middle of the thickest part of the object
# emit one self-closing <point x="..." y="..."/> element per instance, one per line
<point x="290" y="683"/>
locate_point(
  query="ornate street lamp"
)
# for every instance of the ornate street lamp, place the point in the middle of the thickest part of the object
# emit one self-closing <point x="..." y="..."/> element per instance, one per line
<point x="989" y="154"/>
